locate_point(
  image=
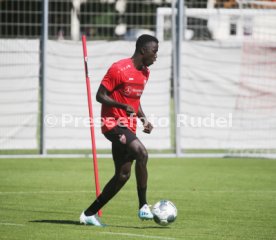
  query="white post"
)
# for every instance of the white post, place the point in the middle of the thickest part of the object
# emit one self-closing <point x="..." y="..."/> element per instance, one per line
<point x="75" y="21"/>
<point x="160" y="25"/>
<point x="174" y="75"/>
<point x="75" y="25"/>
<point x="211" y="4"/>
<point x="177" y="38"/>
<point x="43" y="72"/>
<point x="177" y="86"/>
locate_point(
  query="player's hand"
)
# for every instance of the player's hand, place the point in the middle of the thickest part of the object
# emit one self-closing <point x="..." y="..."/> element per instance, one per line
<point x="130" y="111"/>
<point x="147" y="127"/>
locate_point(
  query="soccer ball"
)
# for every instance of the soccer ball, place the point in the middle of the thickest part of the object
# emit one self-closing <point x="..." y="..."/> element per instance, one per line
<point x="164" y="212"/>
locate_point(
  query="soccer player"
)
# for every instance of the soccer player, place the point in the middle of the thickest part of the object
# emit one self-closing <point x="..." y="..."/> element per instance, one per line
<point x="119" y="93"/>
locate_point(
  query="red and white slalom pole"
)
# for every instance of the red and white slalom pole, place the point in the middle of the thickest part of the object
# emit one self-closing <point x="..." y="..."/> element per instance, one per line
<point x="92" y="130"/>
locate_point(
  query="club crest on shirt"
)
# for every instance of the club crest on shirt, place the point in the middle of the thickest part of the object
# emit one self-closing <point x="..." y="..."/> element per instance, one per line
<point x="122" y="138"/>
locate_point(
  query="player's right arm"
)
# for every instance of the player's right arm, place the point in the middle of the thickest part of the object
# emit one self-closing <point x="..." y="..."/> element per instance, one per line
<point x="104" y="98"/>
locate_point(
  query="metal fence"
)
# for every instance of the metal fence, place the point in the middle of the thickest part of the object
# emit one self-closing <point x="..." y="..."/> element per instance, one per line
<point x="227" y="56"/>
<point x="106" y="19"/>
<point x="98" y="19"/>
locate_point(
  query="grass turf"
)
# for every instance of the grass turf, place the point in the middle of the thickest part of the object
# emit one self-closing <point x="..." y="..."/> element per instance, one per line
<point x="216" y="199"/>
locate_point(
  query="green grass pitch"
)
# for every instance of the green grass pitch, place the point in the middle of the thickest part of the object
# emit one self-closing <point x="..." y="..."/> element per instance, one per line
<point x="216" y="199"/>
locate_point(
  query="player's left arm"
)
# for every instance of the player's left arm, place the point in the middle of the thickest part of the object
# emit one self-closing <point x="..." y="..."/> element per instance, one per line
<point x="147" y="125"/>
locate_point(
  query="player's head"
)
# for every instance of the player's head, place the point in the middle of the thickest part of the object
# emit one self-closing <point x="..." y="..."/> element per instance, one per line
<point x="147" y="47"/>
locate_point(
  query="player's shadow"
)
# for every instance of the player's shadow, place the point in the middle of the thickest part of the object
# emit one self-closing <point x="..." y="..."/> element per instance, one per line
<point x="137" y="227"/>
<point x="70" y="222"/>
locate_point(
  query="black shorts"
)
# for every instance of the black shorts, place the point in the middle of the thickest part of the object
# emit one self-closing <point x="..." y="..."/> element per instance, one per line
<point x="121" y="137"/>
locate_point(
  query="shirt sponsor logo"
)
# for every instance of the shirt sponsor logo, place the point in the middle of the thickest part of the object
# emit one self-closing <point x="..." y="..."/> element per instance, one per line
<point x="132" y="92"/>
<point x="127" y="90"/>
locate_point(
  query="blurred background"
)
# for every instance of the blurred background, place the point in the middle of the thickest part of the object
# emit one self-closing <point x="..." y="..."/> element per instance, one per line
<point x="212" y="91"/>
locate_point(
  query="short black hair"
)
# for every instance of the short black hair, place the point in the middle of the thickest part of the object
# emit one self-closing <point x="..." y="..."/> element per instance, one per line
<point x="144" y="39"/>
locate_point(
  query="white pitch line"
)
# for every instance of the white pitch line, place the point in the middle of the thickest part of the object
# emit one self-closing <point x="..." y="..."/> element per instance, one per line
<point x="12" y="224"/>
<point x="180" y="191"/>
<point x="139" y="235"/>
<point x="46" y="192"/>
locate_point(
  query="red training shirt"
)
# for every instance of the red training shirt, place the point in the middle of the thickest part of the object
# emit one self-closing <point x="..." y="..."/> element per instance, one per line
<point x="125" y="84"/>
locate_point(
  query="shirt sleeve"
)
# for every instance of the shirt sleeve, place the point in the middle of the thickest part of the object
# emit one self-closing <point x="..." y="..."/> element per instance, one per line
<point x="112" y="78"/>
